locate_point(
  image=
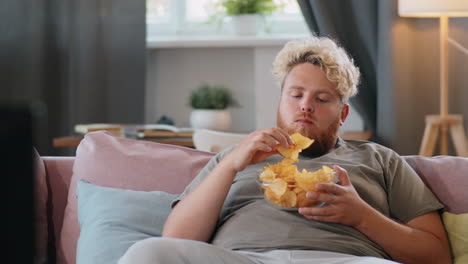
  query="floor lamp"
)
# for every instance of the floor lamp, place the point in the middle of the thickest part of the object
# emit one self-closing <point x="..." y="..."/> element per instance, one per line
<point x="443" y="123"/>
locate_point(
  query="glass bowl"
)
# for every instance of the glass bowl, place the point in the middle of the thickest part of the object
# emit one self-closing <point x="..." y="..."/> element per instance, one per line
<point x="288" y="192"/>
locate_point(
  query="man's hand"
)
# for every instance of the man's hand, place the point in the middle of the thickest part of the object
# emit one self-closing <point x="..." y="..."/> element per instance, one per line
<point x="256" y="147"/>
<point x="343" y="206"/>
<point x="202" y="206"/>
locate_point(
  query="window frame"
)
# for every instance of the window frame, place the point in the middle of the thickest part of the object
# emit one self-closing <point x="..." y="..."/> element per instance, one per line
<point x="178" y="25"/>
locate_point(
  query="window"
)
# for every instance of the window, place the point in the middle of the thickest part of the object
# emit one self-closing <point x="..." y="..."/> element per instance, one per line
<point x="196" y="17"/>
<point x="157" y="10"/>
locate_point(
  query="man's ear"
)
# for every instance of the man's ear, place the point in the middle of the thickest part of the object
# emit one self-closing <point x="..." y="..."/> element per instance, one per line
<point x="344" y="113"/>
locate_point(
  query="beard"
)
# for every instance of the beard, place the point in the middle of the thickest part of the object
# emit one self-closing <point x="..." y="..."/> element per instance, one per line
<point x="324" y="140"/>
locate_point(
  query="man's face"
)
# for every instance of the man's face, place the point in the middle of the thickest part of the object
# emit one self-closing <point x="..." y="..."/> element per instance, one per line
<point x="311" y="105"/>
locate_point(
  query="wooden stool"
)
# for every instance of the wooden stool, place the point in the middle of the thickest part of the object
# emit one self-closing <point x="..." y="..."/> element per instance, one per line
<point x="443" y="124"/>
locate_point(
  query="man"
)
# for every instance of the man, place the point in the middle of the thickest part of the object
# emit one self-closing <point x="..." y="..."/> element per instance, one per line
<point x="379" y="210"/>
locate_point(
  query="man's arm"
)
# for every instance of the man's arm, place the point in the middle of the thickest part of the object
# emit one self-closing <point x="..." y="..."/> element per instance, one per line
<point x="421" y="240"/>
<point x="195" y="216"/>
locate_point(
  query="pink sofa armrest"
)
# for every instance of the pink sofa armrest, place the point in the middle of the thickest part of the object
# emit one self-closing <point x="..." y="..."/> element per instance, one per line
<point x="59" y="171"/>
<point x="446" y="177"/>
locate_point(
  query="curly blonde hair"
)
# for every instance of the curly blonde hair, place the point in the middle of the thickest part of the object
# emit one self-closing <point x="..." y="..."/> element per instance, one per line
<point x="324" y="52"/>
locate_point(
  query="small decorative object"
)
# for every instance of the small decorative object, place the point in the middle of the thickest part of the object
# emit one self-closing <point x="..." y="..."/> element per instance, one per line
<point x="210" y="103"/>
<point x="247" y="14"/>
<point x="165" y="120"/>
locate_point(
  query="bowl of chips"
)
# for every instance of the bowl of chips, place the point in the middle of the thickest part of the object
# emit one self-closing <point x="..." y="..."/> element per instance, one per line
<point x="284" y="186"/>
<point x="288" y="191"/>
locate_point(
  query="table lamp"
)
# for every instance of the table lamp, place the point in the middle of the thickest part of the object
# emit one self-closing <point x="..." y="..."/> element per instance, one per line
<point x="442" y="123"/>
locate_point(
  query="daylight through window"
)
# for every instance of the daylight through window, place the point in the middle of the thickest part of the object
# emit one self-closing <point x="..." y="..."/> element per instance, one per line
<point x="198" y="17"/>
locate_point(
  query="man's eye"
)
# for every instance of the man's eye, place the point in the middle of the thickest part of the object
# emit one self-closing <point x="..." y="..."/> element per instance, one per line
<point x="296" y="95"/>
<point x="320" y="100"/>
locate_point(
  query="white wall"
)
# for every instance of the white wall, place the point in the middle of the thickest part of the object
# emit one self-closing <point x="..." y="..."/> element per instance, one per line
<point x="173" y="72"/>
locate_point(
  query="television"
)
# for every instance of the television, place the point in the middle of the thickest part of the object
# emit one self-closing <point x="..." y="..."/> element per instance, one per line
<point x="16" y="157"/>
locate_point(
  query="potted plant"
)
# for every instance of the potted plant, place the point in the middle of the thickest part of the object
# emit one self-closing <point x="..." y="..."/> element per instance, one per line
<point x="246" y="14"/>
<point x="209" y="107"/>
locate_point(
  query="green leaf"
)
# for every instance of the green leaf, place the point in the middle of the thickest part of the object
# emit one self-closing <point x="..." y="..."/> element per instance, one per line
<point x="211" y="97"/>
<point x="241" y="7"/>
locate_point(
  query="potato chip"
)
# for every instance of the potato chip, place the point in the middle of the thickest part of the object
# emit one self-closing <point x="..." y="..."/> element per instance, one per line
<point x="284" y="185"/>
<point x="293" y="150"/>
<point x="270" y="196"/>
<point x="327" y="169"/>
<point x="278" y="187"/>
<point x="291" y="180"/>
<point x="297" y="189"/>
<point x="283" y="169"/>
<point x="268" y="175"/>
<point x="301" y="141"/>
<point x="289" y="199"/>
<point x="309" y="180"/>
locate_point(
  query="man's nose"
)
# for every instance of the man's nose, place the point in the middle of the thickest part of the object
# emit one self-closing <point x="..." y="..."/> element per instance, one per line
<point x="307" y="107"/>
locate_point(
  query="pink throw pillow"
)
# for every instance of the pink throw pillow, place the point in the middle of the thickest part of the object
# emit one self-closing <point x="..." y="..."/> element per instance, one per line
<point x="123" y="163"/>
<point x="447" y="177"/>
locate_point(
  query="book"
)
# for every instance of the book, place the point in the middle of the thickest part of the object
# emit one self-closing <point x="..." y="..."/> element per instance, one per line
<point x="139" y="131"/>
<point x="164" y="134"/>
<point x="163" y="127"/>
<point x="163" y="131"/>
<point x="85" y="128"/>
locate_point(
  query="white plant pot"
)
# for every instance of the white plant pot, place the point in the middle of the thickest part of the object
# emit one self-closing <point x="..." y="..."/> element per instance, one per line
<point x="246" y="24"/>
<point x="210" y="119"/>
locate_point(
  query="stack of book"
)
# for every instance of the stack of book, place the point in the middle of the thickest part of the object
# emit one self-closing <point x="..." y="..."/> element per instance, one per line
<point x="86" y="128"/>
<point x="138" y="131"/>
<point x="163" y="131"/>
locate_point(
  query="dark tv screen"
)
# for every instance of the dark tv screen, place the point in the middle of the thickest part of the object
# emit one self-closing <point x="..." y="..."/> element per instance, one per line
<point x="16" y="156"/>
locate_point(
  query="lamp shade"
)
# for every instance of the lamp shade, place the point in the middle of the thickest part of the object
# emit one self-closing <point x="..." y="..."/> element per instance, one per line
<point x="433" y="8"/>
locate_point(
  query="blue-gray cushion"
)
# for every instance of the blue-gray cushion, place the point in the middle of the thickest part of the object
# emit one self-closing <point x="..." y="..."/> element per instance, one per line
<point x="112" y="219"/>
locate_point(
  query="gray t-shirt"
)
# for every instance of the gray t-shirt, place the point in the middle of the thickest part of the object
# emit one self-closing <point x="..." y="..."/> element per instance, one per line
<point x="381" y="177"/>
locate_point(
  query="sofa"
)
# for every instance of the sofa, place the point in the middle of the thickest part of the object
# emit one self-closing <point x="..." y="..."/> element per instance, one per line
<point x="90" y="208"/>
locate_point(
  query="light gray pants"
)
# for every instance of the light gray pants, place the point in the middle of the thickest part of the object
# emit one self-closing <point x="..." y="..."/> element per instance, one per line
<point x="175" y="251"/>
